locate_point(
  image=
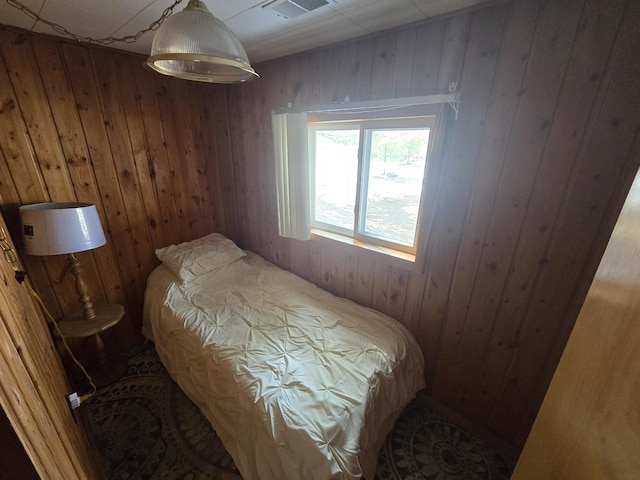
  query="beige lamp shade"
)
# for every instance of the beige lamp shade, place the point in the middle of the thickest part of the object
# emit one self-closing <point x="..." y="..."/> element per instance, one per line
<point x="55" y="228"/>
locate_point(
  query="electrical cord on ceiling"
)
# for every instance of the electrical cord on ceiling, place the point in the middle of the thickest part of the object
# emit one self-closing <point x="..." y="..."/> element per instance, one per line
<point x="21" y="277"/>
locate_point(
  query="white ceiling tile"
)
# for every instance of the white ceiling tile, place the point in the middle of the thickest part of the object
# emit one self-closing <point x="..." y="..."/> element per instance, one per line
<point x="255" y="25"/>
<point x="342" y="5"/>
<point x="226" y="9"/>
<point x="381" y="15"/>
<point x="432" y="8"/>
<point x="12" y="16"/>
<point x="91" y="19"/>
<point x="334" y="29"/>
<point x="264" y="34"/>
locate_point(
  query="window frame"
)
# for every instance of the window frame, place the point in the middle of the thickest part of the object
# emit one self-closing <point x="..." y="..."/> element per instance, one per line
<point x="430" y="118"/>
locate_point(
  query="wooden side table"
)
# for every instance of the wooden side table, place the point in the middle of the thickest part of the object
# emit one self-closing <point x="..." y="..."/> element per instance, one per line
<point x="75" y="325"/>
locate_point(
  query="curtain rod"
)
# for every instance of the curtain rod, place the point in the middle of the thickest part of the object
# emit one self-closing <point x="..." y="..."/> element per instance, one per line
<point x="453" y="99"/>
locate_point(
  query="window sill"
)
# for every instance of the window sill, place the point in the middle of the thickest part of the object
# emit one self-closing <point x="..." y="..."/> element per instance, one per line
<point x="402" y="259"/>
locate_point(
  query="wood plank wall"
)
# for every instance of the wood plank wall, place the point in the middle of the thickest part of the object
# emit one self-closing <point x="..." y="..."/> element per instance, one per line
<point x="89" y="124"/>
<point x="33" y="387"/>
<point x="535" y="172"/>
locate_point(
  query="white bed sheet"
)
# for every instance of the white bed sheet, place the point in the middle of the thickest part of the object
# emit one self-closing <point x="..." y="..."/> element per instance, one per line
<point x="298" y="384"/>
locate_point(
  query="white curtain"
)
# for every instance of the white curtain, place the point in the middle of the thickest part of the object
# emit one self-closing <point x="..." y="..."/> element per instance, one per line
<point x="292" y="174"/>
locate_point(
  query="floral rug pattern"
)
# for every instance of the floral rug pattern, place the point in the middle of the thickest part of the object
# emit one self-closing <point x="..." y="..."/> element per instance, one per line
<point x="144" y="427"/>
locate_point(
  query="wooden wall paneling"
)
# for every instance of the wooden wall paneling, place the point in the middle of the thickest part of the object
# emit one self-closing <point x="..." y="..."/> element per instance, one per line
<point x="106" y="285"/>
<point x="41" y="155"/>
<point x="216" y="153"/>
<point x="364" y="289"/>
<point x="326" y="91"/>
<point x="362" y="85"/>
<point x="404" y="49"/>
<point x="615" y="122"/>
<point x="81" y="76"/>
<point x="550" y="53"/>
<point x="157" y="158"/>
<point x="136" y="228"/>
<point x="23" y="181"/>
<point x="181" y="156"/>
<point x="351" y="275"/>
<point x="201" y="165"/>
<point x="595" y="34"/>
<point x="348" y="67"/>
<point x="380" y="283"/>
<point x="315" y="263"/>
<point x="31" y="424"/>
<point x="383" y="65"/>
<point x="426" y="59"/>
<point x="17" y="148"/>
<point x="235" y="115"/>
<point x="35" y="380"/>
<point x="8" y="191"/>
<point x="324" y="264"/>
<point x="433" y="301"/>
<point x="224" y="157"/>
<point x="396" y="292"/>
<point x="165" y="87"/>
<point x="424" y="80"/>
<point x="482" y="32"/>
<point x="61" y="102"/>
<point x="34" y="105"/>
<point x="412" y="310"/>
<point x="183" y="107"/>
<point x="506" y="89"/>
<point x="338" y="272"/>
<point x="244" y="173"/>
<point x="134" y="123"/>
<point x="454" y="46"/>
<point x="252" y="179"/>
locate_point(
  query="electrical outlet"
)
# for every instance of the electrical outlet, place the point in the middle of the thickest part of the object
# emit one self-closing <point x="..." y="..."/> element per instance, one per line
<point x="74" y="400"/>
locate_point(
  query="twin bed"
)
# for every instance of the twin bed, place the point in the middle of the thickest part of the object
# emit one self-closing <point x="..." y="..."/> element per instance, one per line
<point x="298" y="384"/>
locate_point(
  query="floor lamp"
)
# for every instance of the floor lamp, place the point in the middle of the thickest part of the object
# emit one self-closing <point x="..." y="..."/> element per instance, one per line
<point x="56" y="228"/>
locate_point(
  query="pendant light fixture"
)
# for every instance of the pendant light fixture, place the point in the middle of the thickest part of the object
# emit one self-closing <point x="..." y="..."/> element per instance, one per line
<point x="195" y="45"/>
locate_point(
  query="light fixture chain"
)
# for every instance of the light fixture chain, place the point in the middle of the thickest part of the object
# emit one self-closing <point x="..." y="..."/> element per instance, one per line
<point x="103" y="41"/>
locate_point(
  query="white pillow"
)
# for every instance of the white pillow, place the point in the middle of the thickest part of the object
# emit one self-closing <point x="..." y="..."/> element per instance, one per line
<point x="188" y="260"/>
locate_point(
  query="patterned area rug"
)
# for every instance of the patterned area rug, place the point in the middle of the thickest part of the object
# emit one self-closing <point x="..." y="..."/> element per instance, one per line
<point x="144" y="427"/>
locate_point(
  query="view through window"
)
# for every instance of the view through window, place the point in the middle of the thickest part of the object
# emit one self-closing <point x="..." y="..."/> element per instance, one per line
<point x="376" y="196"/>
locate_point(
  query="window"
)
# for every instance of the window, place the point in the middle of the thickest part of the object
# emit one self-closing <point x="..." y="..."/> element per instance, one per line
<point x="360" y="173"/>
<point x="367" y="179"/>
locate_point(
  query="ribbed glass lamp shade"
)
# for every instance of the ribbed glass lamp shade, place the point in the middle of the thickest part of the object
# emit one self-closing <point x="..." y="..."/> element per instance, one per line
<point x="195" y="45"/>
<point x="55" y="228"/>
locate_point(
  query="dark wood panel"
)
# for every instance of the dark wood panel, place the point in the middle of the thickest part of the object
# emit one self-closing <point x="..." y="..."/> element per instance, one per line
<point x="514" y="196"/>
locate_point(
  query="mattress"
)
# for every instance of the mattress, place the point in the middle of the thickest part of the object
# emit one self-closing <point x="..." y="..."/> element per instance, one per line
<point x="298" y="384"/>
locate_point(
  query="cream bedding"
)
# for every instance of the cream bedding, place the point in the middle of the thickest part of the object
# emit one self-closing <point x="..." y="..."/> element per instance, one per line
<point x="298" y="384"/>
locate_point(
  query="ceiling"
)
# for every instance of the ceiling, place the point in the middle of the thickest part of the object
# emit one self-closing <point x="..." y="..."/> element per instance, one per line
<point x="264" y="33"/>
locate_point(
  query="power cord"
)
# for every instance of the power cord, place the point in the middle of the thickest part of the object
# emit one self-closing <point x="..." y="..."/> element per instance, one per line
<point x="64" y="342"/>
<point x="21" y="277"/>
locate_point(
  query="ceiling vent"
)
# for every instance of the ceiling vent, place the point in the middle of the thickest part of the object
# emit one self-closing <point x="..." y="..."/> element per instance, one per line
<point x="294" y="8"/>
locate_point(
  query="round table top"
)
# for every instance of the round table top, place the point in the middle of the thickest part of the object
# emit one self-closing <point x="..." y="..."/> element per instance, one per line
<point x="75" y="325"/>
